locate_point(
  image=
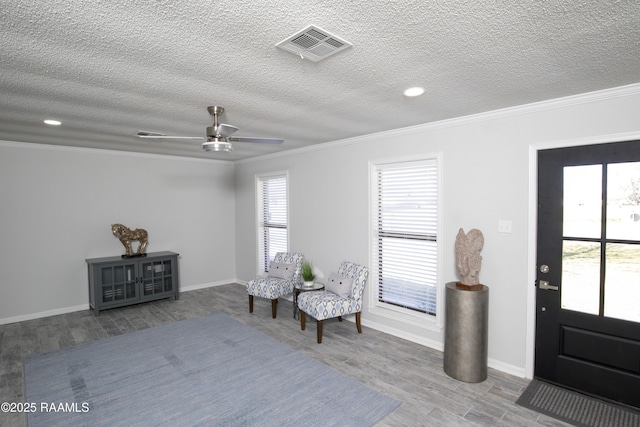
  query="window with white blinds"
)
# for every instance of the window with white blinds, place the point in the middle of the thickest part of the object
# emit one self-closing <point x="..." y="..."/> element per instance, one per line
<point x="406" y="234"/>
<point x="272" y="218"/>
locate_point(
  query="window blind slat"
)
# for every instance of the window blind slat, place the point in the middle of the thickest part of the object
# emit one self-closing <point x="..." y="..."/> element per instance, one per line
<point x="273" y="218"/>
<point x="406" y="235"/>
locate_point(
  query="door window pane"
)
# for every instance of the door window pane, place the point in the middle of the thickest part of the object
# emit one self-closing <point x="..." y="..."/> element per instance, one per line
<point x="623" y="201"/>
<point x="581" y="276"/>
<point x="582" y="201"/>
<point x="622" y="283"/>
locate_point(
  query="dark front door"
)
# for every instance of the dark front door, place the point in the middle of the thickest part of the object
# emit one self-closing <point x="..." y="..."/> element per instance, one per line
<point x="588" y="270"/>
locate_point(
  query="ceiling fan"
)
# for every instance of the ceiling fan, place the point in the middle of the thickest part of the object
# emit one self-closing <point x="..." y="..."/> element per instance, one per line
<point x="218" y="135"/>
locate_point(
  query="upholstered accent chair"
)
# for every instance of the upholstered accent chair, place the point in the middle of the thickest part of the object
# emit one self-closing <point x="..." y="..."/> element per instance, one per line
<point x="284" y="273"/>
<point x="342" y="295"/>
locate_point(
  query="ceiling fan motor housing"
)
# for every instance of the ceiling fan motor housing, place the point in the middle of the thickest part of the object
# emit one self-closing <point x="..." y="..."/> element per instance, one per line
<point x="211" y="132"/>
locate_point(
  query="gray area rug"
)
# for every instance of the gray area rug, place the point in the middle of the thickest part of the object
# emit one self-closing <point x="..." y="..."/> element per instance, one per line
<point x="576" y="408"/>
<point x="211" y="370"/>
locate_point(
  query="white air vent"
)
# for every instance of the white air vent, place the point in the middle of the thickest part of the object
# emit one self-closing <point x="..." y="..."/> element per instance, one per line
<point x="313" y="44"/>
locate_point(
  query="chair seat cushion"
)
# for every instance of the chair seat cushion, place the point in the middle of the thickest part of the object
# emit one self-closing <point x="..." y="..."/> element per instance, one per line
<point x="325" y="304"/>
<point x="270" y="287"/>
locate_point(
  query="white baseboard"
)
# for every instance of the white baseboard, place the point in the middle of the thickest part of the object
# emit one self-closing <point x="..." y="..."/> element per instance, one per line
<point x="402" y="334"/>
<point x="208" y="285"/>
<point x="65" y="310"/>
<point x="41" y="314"/>
<point x="516" y="371"/>
<point x="492" y="363"/>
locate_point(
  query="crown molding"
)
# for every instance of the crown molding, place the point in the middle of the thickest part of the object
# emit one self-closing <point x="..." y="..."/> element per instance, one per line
<point x="548" y="105"/>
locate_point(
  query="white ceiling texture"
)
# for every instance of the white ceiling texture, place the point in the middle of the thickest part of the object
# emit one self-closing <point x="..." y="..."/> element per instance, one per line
<point x="107" y="69"/>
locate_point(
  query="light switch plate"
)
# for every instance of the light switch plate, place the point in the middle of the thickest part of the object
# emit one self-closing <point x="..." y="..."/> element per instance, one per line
<point x="505" y="226"/>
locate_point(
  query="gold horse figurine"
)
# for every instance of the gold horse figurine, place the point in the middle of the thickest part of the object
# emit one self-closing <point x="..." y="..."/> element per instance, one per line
<point x="126" y="235"/>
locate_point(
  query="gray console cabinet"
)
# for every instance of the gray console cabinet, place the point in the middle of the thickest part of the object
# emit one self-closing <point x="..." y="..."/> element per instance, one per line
<point x="116" y="281"/>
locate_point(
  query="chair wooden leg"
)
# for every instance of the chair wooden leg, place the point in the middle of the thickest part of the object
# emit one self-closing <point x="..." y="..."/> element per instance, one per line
<point x="358" y="325"/>
<point x="250" y="303"/>
<point x="274" y="307"/>
<point x="319" y="331"/>
<point x="303" y="320"/>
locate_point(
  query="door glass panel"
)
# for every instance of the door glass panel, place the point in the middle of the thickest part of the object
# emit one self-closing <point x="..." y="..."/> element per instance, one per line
<point x="622" y="282"/>
<point x="580" y="276"/>
<point x="582" y="201"/>
<point x="623" y="201"/>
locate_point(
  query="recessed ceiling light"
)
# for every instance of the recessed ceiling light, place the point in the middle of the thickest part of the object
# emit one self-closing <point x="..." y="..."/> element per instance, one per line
<point x="414" y="91"/>
<point x="53" y="122"/>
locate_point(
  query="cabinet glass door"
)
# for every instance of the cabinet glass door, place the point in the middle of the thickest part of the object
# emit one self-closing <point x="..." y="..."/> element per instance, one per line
<point x="118" y="283"/>
<point x="157" y="277"/>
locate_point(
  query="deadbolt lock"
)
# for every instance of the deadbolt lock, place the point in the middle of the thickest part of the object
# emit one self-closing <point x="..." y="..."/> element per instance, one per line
<point x="544" y="268"/>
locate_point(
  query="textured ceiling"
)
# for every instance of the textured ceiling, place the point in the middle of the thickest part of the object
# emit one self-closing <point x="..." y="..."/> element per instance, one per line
<point x="107" y="69"/>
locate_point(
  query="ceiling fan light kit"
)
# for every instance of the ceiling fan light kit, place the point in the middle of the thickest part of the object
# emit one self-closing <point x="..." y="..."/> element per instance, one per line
<point x="217" y="146"/>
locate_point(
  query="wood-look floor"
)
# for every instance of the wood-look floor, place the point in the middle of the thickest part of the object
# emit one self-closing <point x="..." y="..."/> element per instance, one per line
<point x="401" y="369"/>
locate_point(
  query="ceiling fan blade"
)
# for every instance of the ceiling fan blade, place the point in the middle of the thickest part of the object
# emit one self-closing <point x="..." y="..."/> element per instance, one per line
<point x="156" y="135"/>
<point x="193" y="138"/>
<point x="258" y="140"/>
<point x="225" y="130"/>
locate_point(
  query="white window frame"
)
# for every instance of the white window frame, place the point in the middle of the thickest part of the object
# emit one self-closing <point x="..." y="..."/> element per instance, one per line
<point x="391" y="311"/>
<point x="260" y="179"/>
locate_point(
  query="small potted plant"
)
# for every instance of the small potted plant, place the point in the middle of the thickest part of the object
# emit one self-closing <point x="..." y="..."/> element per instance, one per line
<point x="307" y="274"/>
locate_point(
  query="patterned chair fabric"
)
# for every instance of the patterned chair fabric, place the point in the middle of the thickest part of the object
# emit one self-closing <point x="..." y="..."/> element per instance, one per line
<point x="274" y="287"/>
<point x="323" y="305"/>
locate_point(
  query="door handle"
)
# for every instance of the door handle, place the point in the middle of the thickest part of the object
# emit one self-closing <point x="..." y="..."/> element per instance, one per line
<point x="544" y="284"/>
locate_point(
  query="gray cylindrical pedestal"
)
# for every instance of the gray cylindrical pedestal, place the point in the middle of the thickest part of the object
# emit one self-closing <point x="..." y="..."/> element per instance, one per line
<point x="465" y="340"/>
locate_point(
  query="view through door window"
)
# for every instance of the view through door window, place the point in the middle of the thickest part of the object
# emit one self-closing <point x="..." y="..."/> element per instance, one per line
<point x="601" y="242"/>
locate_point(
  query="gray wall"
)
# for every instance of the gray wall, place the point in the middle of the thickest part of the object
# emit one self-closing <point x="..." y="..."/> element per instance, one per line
<point x="57" y="207"/>
<point x="486" y="176"/>
<point x="57" y="204"/>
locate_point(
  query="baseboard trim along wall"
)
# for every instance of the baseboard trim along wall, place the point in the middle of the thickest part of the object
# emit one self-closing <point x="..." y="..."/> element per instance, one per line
<point x="82" y="307"/>
<point x="509" y="369"/>
<point x="492" y="363"/>
<point x="41" y="314"/>
<point x="208" y="285"/>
